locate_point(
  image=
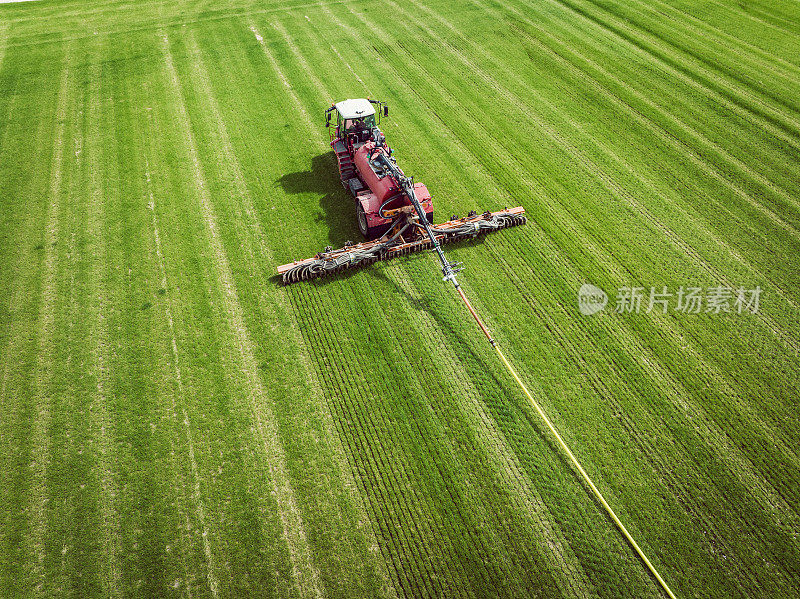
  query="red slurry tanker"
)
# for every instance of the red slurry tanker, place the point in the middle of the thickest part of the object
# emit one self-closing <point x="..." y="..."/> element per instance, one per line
<point x="394" y="214"/>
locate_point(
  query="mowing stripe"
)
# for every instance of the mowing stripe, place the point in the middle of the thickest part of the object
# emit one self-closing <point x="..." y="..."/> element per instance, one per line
<point x="702" y="30"/>
<point x="100" y="423"/>
<point x="305" y="572"/>
<point x="704" y="27"/>
<point x="772" y="105"/>
<point x="4" y="27"/>
<point x="753" y="18"/>
<point x="181" y="423"/>
<point x="19" y="349"/>
<point x="121" y="14"/>
<point x="640" y="39"/>
<point x="279" y="300"/>
<point x="679" y="73"/>
<point x="663" y="134"/>
<point x="40" y="439"/>
<point x="211" y="577"/>
<point x="17" y="290"/>
<point x="180" y="479"/>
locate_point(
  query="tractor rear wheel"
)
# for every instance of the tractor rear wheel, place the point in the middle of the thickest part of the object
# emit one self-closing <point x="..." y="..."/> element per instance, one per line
<point x="361" y="216"/>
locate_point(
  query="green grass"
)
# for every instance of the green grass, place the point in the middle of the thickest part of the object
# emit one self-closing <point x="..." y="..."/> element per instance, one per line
<point x="174" y="422"/>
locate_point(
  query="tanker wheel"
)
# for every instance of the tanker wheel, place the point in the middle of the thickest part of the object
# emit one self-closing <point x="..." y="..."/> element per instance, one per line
<point x="362" y="220"/>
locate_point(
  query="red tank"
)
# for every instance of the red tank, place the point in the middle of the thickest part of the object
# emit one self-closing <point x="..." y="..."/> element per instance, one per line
<point x="383" y="186"/>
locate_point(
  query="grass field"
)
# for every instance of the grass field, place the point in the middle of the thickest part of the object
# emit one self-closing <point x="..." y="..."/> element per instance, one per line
<point x="175" y="423"/>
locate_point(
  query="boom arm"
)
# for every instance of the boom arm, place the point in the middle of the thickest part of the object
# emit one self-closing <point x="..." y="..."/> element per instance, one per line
<point x="449" y="269"/>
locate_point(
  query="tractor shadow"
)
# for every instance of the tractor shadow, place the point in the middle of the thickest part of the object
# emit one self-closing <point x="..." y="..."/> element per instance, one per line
<point x="337" y="206"/>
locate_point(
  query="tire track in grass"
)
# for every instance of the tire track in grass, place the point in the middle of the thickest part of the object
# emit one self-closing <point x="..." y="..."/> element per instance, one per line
<point x="211" y="577"/>
<point x="752" y="17"/>
<point x="15" y="285"/>
<point x="304" y="571"/>
<point x="179" y="478"/>
<point x="671" y="59"/>
<point x="4" y="27"/>
<point x="311" y="306"/>
<point x="170" y="14"/>
<point x="35" y="550"/>
<point x="9" y="404"/>
<point x="369" y="25"/>
<point x="663" y="134"/>
<point x="686" y="151"/>
<point x="259" y="251"/>
<point x="180" y="422"/>
<point x="99" y="421"/>
<point x="703" y="30"/>
<point x="468" y="398"/>
<point x="75" y="529"/>
<point x="589" y="165"/>
<point x="704" y="27"/>
<point x="20" y="355"/>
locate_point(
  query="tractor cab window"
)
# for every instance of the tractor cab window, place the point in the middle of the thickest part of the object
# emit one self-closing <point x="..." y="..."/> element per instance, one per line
<point x="353" y="125"/>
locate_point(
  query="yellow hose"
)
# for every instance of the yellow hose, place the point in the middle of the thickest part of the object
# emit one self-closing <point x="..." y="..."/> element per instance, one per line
<point x="585" y="476"/>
